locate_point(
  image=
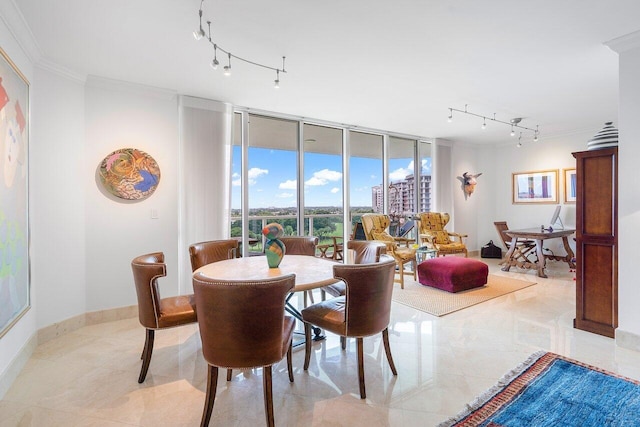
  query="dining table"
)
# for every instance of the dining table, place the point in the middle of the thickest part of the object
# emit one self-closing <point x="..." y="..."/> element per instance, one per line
<point x="311" y="273"/>
<point x="539" y="235"/>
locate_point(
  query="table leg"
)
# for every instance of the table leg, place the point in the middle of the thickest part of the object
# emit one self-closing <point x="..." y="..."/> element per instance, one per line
<point x="317" y="332"/>
<point x="509" y="256"/>
<point x="570" y="255"/>
<point x="541" y="258"/>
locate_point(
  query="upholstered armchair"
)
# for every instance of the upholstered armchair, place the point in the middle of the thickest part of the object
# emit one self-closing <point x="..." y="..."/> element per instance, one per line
<point x="375" y="228"/>
<point x="435" y="236"/>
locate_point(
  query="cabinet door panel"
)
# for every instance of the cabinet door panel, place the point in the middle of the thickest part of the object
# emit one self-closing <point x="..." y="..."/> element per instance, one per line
<point x="598" y="196"/>
<point x="597" y="283"/>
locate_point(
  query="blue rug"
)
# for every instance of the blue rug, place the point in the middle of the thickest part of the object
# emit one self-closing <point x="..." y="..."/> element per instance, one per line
<point x="552" y="390"/>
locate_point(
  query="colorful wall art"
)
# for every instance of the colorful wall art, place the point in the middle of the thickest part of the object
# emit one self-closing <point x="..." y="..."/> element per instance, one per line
<point x="130" y="174"/>
<point x="14" y="211"/>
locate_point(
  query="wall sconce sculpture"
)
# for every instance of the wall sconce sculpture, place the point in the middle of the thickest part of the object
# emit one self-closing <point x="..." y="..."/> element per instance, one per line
<point x="469" y="183"/>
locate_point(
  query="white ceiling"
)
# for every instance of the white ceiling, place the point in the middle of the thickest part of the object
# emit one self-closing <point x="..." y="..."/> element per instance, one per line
<point x="391" y="65"/>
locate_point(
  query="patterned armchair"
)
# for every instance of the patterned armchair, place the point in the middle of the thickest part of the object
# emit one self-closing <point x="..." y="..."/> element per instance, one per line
<point x="375" y="228"/>
<point x="434" y="235"/>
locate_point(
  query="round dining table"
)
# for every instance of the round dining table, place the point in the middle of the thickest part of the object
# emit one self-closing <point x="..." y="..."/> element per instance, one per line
<point x="311" y="273"/>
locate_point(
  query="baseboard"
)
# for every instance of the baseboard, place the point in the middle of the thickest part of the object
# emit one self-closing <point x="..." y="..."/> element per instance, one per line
<point x="17" y="364"/>
<point x="627" y="340"/>
<point x="474" y="254"/>
<point x="91" y="318"/>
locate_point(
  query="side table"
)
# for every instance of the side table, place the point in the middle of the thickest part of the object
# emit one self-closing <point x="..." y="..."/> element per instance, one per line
<point x="424" y="253"/>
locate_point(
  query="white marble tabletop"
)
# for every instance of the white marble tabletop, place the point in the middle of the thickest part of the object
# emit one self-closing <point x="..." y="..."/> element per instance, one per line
<point x="311" y="272"/>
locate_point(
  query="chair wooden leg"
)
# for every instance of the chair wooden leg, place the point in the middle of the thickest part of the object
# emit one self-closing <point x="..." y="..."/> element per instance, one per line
<point x="360" y="352"/>
<point x="307" y="345"/>
<point x="387" y="350"/>
<point x="289" y="361"/>
<point x="229" y="374"/>
<point x="268" y="395"/>
<point x="343" y="342"/>
<point x="401" y="276"/>
<point x="323" y="295"/>
<point x="209" y="400"/>
<point x="146" y="355"/>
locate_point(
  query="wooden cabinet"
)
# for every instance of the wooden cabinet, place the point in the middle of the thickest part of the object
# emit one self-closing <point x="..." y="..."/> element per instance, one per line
<point x="597" y="241"/>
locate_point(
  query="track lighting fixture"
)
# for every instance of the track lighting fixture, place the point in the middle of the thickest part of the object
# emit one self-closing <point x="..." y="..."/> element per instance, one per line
<point x="227" y="68"/>
<point x="200" y="33"/>
<point x="514" y="123"/>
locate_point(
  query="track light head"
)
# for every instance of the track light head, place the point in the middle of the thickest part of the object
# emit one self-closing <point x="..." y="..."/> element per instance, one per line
<point x="214" y="64"/>
<point x="513" y="133"/>
<point x="450" y="118"/>
<point x="198" y="34"/>
<point x="484" y="124"/>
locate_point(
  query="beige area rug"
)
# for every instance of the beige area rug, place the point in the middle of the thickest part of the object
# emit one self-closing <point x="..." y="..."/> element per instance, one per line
<point x="437" y="302"/>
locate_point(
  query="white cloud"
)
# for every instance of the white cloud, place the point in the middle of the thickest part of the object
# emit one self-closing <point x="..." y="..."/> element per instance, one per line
<point x="236" y="182"/>
<point x="284" y="195"/>
<point x="334" y="190"/>
<point x="256" y="173"/>
<point x="400" y="174"/>
<point x="323" y="177"/>
<point x="289" y="184"/>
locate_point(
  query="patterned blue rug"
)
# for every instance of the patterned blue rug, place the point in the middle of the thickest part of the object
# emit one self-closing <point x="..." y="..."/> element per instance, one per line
<point x="552" y="390"/>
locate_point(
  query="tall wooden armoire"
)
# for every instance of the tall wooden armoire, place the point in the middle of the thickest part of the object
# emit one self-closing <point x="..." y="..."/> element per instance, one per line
<point x="597" y="241"/>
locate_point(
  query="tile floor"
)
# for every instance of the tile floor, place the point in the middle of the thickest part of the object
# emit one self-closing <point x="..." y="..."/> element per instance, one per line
<point x="89" y="377"/>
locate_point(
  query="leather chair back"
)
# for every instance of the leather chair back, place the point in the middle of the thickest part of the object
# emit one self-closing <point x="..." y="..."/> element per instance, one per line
<point x="368" y="297"/>
<point x="146" y="271"/>
<point x="204" y="253"/>
<point x="300" y="245"/>
<point x="242" y="322"/>
<point x="365" y="251"/>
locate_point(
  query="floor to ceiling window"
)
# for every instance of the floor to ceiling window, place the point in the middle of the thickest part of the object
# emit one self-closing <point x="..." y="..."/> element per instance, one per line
<point x="401" y="201"/>
<point x="366" y="175"/>
<point x="272" y="187"/>
<point x="296" y="175"/>
<point x="323" y="178"/>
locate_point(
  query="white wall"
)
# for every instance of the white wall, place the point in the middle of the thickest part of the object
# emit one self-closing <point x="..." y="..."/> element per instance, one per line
<point x="120" y="115"/>
<point x="497" y="165"/>
<point x="628" y="332"/>
<point x="57" y="198"/>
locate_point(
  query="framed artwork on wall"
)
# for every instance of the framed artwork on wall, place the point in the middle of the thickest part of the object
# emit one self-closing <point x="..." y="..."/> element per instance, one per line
<point x="570" y="185"/>
<point x="14" y="211"/>
<point x="535" y="187"/>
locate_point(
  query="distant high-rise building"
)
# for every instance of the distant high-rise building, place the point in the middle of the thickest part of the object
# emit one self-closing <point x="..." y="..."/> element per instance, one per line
<point x="401" y="196"/>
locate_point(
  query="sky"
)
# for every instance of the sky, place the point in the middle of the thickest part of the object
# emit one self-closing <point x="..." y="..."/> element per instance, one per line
<point x="273" y="183"/>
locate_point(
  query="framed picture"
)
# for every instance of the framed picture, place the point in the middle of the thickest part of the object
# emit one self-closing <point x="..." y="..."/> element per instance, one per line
<point x="535" y="187"/>
<point x="14" y="221"/>
<point x="570" y="185"/>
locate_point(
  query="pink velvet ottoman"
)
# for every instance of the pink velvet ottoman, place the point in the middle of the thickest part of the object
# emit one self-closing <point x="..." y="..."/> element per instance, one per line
<point x="453" y="274"/>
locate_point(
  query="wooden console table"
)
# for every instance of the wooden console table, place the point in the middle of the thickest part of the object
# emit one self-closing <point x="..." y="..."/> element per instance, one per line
<point x="539" y="235"/>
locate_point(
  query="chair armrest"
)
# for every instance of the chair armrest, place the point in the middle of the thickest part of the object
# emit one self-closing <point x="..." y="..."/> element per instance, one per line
<point x="458" y="235"/>
<point x="404" y="240"/>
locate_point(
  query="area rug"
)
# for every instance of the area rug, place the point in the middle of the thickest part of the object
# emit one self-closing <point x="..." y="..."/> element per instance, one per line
<point x="437" y="302"/>
<point x="552" y="390"/>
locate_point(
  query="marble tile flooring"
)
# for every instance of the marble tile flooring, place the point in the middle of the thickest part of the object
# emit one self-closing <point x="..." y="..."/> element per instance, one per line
<point x="89" y="377"/>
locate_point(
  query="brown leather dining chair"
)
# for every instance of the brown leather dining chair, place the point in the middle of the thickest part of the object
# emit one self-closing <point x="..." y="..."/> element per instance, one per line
<point x="243" y="325"/>
<point x="204" y="253"/>
<point x="364" y="252"/>
<point x="155" y="312"/>
<point x="363" y="311"/>
<point x="301" y="245"/>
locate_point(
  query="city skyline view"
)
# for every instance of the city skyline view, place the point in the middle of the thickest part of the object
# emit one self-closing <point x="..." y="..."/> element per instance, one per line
<point x="273" y="183"/>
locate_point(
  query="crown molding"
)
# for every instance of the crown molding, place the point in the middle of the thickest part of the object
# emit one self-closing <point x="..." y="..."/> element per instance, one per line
<point x="624" y="43"/>
<point x="129" y="87"/>
<point x="55" y="68"/>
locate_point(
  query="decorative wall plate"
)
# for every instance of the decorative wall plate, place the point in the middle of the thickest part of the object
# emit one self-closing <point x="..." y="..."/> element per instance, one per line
<point x="130" y="174"/>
